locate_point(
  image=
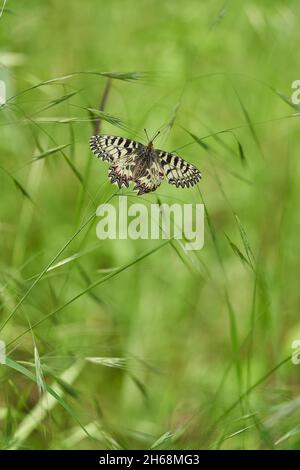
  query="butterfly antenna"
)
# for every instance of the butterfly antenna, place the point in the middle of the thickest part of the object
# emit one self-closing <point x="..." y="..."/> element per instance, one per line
<point x="147" y="135"/>
<point x="157" y="134"/>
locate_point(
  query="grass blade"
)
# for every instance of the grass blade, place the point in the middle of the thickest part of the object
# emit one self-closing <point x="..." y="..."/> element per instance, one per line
<point x="51" y="151"/>
<point x="89" y="288"/>
<point x="46" y="403"/>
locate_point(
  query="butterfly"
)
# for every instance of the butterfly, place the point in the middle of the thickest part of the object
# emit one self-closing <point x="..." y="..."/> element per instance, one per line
<point x="145" y="166"/>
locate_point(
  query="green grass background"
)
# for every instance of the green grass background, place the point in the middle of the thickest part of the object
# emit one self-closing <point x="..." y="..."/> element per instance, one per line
<point x="191" y="349"/>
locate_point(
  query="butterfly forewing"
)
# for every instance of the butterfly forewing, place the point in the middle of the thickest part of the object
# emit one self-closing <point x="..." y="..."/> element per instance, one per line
<point x="178" y="171"/>
<point x="110" y="148"/>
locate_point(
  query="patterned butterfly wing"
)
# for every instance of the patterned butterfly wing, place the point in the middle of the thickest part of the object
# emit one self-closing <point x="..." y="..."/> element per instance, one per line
<point x="150" y="179"/>
<point x="132" y="161"/>
<point x="121" y="170"/>
<point x="178" y="171"/>
<point x="121" y="153"/>
<point x="110" y="148"/>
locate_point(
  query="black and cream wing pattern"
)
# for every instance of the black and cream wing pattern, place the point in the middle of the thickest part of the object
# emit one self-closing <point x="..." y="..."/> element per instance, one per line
<point x="145" y="166"/>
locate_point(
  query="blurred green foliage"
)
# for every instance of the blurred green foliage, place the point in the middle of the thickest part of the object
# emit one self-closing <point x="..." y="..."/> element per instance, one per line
<point x="179" y="350"/>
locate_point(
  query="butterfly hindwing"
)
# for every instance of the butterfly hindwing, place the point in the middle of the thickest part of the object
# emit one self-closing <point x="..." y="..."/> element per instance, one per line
<point x="178" y="171"/>
<point x="122" y="169"/>
<point x="150" y="180"/>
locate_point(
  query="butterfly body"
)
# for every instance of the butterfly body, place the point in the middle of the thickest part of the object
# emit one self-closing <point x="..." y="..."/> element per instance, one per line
<point x="143" y="164"/>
